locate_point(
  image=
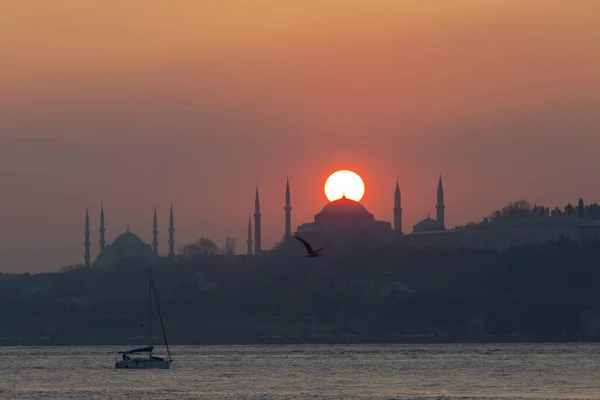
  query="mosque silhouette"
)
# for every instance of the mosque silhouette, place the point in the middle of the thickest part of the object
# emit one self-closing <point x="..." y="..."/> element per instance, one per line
<point x="342" y="221"/>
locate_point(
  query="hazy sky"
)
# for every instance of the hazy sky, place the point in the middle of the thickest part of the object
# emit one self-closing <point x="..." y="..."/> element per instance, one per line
<point x="144" y="102"/>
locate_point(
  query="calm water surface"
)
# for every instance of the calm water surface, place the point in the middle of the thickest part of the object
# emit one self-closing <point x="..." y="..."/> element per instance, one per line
<point x="508" y="371"/>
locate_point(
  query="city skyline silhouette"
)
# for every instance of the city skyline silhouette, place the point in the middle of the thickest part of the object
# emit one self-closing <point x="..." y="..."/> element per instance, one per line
<point x="143" y="104"/>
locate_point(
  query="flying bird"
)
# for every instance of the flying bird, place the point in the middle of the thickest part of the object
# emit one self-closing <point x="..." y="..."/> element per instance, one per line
<point x="309" y="250"/>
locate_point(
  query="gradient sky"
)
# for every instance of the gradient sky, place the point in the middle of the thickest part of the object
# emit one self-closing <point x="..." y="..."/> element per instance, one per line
<point x="143" y="102"/>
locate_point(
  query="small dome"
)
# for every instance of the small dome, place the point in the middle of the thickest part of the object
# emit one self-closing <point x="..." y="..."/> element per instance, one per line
<point x="428" y="224"/>
<point x="344" y="206"/>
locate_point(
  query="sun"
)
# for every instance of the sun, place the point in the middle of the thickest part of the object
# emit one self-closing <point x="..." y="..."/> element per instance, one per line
<point x="344" y="183"/>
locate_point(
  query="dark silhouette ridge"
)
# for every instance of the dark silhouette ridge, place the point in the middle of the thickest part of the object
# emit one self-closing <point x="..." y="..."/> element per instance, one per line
<point x="387" y="293"/>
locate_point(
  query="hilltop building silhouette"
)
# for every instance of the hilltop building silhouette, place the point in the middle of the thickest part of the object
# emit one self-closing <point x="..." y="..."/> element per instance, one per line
<point x="126" y="246"/>
<point x="441" y="207"/>
<point x="513" y="228"/>
<point x="171" y="235"/>
<point x="257" y="232"/>
<point x="438" y="224"/>
<point x="155" y="235"/>
<point x="288" y="211"/>
<point x="397" y="211"/>
<point x="249" y="241"/>
<point x="86" y="243"/>
<point x="347" y="222"/>
<point x="102" y="229"/>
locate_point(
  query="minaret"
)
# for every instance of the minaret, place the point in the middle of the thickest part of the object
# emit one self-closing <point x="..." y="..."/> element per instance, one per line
<point x="440" y="207"/>
<point x="397" y="210"/>
<point x="171" y="236"/>
<point x="87" y="239"/>
<point x="257" y="237"/>
<point x="249" y="241"/>
<point x="102" y="230"/>
<point x="155" y="235"/>
<point x="288" y="212"/>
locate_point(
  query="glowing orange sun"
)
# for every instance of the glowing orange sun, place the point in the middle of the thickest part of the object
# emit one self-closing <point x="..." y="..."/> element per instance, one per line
<point x="344" y="183"/>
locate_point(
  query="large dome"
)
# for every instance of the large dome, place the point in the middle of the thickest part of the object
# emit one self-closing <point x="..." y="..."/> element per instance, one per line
<point x="345" y="221"/>
<point x="343" y="212"/>
<point x="126" y="246"/>
<point x="128" y="239"/>
<point x="344" y="207"/>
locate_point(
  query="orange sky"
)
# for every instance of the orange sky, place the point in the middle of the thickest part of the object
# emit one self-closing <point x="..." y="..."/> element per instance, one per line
<point x="140" y="102"/>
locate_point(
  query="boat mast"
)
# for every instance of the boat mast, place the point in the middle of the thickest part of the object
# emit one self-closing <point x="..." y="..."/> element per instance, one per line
<point x="149" y="306"/>
<point x="162" y="325"/>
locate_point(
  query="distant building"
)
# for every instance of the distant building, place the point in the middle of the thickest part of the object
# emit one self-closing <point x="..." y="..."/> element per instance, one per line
<point x="346" y="221"/>
<point x="438" y="224"/>
<point x="127" y="246"/>
<point x="249" y="241"/>
<point x="229" y="246"/>
<point x="257" y="225"/>
<point x="517" y="227"/>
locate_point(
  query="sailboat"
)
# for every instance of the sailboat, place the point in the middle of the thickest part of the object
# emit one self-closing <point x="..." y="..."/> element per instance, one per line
<point x="142" y="358"/>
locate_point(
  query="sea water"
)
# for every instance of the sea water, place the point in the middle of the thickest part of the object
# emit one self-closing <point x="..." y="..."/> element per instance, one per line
<point x="466" y="371"/>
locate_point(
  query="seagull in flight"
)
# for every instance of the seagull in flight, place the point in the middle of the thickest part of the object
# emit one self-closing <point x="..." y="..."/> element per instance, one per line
<point x="311" y="253"/>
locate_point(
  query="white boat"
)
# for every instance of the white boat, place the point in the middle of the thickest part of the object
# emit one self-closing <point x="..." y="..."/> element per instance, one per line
<point x="135" y="359"/>
<point x="142" y="358"/>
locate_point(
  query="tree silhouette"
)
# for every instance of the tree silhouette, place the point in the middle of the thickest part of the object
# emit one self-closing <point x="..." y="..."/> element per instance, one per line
<point x="203" y="247"/>
<point x="519" y="208"/>
<point x="581" y="209"/>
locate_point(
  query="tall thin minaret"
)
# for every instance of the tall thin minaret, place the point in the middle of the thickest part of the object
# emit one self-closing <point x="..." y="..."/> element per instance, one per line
<point x="397" y="210"/>
<point x="102" y="229"/>
<point x="440" y="207"/>
<point x="249" y="241"/>
<point x="155" y="235"/>
<point x="87" y="239"/>
<point x="257" y="237"/>
<point x="288" y="211"/>
<point x="171" y="236"/>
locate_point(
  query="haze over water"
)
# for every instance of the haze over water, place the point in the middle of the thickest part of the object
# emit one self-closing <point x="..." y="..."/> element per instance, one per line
<point x="491" y="371"/>
<point x="139" y="102"/>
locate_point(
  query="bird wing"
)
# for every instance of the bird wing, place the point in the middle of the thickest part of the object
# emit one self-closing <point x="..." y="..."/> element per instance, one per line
<point x="305" y="243"/>
<point x="324" y="247"/>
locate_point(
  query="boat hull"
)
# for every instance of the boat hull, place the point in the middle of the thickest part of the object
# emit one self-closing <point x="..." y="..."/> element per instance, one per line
<point x="143" y="363"/>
